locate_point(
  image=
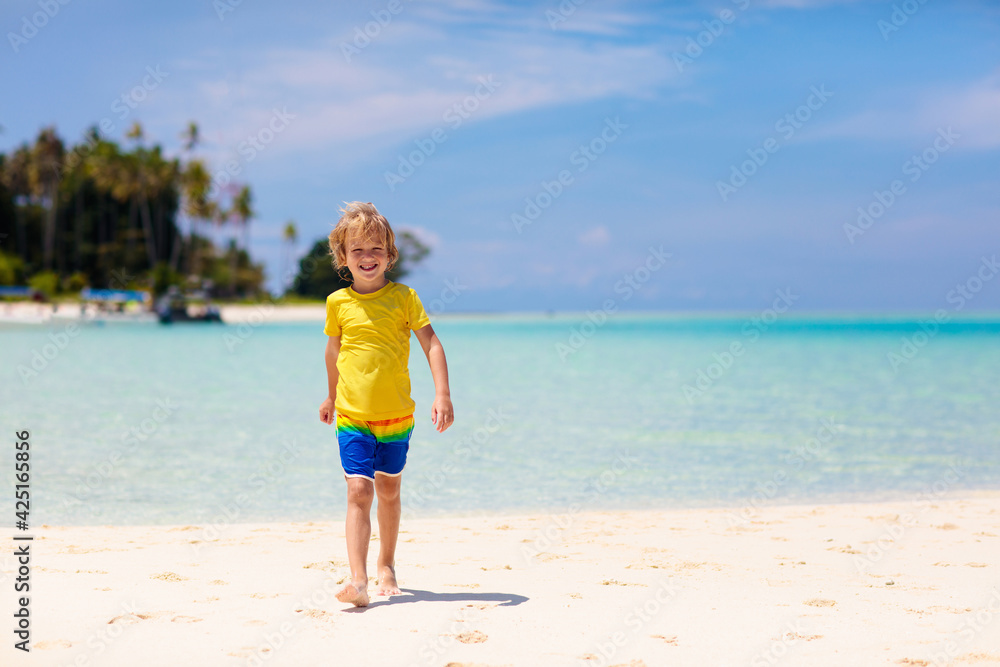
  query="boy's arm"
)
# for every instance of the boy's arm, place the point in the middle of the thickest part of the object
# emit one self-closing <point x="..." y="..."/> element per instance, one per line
<point x="326" y="410"/>
<point x="442" y="412"/>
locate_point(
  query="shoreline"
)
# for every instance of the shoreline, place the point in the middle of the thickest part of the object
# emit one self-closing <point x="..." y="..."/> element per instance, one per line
<point x="901" y="498"/>
<point x="25" y="312"/>
<point x="892" y="582"/>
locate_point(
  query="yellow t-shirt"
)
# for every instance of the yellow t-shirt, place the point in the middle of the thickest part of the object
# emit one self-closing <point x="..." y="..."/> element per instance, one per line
<point x="374" y="358"/>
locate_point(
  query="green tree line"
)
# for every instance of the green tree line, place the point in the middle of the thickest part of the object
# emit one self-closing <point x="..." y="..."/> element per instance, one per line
<point x="103" y="214"/>
<point x="317" y="278"/>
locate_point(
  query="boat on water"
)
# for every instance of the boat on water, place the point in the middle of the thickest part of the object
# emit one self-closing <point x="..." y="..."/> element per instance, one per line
<point x="176" y="307"/>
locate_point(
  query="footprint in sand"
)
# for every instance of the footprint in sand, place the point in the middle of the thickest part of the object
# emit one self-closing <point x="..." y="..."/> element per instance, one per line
<point x="819" y="602"/>
<point x="186" y="619"/>
<point x="127" y="619"/>
<point x="845" y="550"/>
<point x="672" y="641"/>
<point x="474" y="637"/>
<point x="168" y="576"/>
<point x="244" y="652"/>
<point x="218" y="582"/>
<point x="47" y="644"/>
<point x="615" y="582"/>
<point x="546" y="557"/>
<point x="690" y="565"/>
<point x="979" y="656"/>
<point x="328" y="566"/>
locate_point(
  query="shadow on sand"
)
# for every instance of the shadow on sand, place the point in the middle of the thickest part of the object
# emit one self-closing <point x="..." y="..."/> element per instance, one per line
<point x="414" y="595"/>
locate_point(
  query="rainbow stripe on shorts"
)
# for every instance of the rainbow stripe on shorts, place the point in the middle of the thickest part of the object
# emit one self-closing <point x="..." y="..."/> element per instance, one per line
<point x="383" y="430"/>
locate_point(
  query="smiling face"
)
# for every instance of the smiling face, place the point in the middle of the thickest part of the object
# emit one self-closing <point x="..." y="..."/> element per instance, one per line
<point x="367" y="260"/>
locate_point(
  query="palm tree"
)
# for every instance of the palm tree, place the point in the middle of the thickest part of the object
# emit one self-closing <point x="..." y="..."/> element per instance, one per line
<point x="123" y="183"/>
<point x="289" y="235"/>
<point x="16" y="180"/>
<point x="102" y="165"/>
<point x="75" y="183"/>
<point x="154" y="176"/>
<point x="240" y="214"/>
<point x="44" y="174"/>
<point x="191" y="136"/>
<point x="197" y="205"/>
<point x="165" y="177"/>
<point x="138" y="183"/>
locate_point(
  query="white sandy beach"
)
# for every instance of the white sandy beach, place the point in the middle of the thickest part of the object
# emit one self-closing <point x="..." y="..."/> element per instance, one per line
<point x="270" y="312"/>
<point x="24" y="312"/>
<point x="897" y="583"/>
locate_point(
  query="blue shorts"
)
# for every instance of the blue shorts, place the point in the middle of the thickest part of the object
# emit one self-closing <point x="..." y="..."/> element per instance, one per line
<point x="369" y="447"/>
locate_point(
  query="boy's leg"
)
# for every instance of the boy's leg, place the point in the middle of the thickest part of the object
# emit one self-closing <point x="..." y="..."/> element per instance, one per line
<point x="357" y="451"/>
<point x="389" y="510"/>
<point x="359" y="530"/>
<point x="393" y="441"/>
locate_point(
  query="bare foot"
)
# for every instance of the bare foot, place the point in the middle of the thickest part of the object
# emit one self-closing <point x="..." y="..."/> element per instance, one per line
<point x="387" y="582"/>
<point x="355" y="594"/>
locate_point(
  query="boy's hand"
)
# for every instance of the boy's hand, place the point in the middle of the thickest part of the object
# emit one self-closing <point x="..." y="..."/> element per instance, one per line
<point x="326" y="411"/>
<point x="442" y="413"/>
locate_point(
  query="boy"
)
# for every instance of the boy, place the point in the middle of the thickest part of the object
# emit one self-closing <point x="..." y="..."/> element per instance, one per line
<point x="367" y="357"/>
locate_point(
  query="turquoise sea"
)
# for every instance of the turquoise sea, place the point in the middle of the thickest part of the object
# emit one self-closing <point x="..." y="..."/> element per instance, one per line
<point x="194" y="424"/>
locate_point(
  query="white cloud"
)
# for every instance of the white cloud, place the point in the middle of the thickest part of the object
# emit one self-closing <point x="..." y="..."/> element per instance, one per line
<point x="596" y="237"/>
<point x="589" y="20"/>
<point x="404" y="82"/>
<point x="972" y="111"/>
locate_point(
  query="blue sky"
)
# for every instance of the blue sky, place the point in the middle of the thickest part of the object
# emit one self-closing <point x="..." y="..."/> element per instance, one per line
<point x="557" y="76"/>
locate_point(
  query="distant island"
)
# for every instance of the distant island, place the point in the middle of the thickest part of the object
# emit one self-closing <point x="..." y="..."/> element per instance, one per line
<point x="105" y="215"/>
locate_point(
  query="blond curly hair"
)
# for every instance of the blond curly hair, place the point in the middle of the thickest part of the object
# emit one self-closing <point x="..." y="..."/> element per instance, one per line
<point x="364" y="220"/>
